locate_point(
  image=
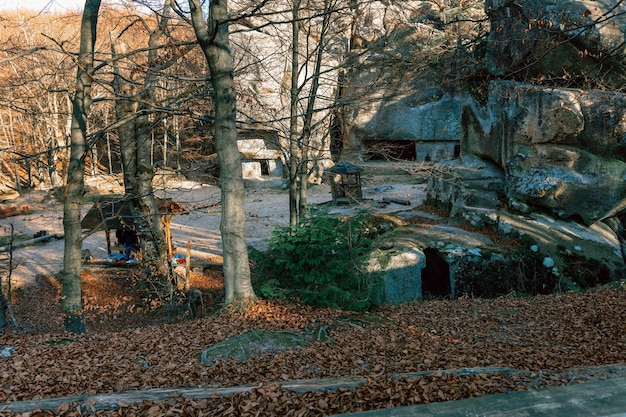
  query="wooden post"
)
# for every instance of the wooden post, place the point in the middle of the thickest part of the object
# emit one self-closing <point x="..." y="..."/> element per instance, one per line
<point x="166" y="220"/>
<point x="18" y="181"/>
<point x="188" y="266"/>
<point x="107" y="232"/>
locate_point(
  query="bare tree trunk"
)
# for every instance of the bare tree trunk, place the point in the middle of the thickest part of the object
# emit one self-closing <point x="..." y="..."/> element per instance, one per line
<point x="165" y="139"/>
<point x="176" y="128"/>
<point x="72" y="304"/>
<point x="154" y="251"/>
<point x="136" y="150"/>
<point x="305" y="138"/>
<point x="109" y="157"/>
<point x="155" y="262"/>
<point x="294" y="160"/>
<point x="213" y="37"/>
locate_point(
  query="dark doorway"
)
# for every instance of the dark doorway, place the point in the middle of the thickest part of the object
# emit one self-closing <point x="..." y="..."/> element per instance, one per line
<point x="377" y="150"/>
<point x="435" y="276"/>
<point x="265" y="167"/>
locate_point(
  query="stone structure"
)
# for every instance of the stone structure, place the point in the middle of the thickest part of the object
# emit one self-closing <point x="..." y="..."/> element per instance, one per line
<point x="261" y="153"/>
<point x="389" y="105"/>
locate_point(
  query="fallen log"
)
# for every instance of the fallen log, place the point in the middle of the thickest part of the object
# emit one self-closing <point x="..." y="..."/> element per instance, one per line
<point x="113" y="401"/>
<point x="29" y="242"/>
<point x="9" y="212"/>
<point x="395" y="200"/>
<point x="602" y="397"/>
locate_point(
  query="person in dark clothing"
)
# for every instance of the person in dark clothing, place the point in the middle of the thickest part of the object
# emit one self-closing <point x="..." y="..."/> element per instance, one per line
<point x="119" y="234"/>
<point x="129" y="239"/>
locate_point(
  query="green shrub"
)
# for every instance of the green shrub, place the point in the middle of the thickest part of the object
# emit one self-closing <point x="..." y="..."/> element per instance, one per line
<point x="317" y="262"/>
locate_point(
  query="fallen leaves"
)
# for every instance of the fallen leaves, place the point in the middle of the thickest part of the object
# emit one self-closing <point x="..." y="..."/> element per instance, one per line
<point x="543" y="337"/>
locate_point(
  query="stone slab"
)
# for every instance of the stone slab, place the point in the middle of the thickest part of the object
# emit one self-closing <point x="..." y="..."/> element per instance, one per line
<point x="598" y="399"/>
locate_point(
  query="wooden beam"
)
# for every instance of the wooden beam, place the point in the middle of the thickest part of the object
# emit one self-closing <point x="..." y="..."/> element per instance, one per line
<point x="599" y="398"/>
<point x="112" y="401"/>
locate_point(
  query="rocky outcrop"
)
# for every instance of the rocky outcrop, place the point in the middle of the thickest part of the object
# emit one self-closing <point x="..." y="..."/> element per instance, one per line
<point x="562" y="150"/>
<point x="542" y="144"/>
<point x="557" y="39"/>
<point x="540" y="255"/>
<point x="413" y="263"/>
<point x="555" y="157"/>
<point x="385" y="94"/>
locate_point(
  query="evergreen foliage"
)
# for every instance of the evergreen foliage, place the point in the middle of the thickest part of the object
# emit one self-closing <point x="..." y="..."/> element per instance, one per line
<point x="317" y="263"/>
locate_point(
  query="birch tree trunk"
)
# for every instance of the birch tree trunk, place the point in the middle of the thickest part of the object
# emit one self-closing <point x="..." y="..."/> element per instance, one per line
<point x="72" y="304"/>
<point x="213" y="38"/>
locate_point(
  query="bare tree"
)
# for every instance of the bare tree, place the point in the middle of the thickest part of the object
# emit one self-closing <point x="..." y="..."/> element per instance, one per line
<point x="314" y="56"/>
<point x="136" y="142"/>
<point x="72" y="304"/>
<point x="213" y="37"/>
<point x="35" y="82"/>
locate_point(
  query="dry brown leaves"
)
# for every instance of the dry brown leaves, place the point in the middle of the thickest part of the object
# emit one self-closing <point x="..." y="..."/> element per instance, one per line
<point x="127" y="348"/>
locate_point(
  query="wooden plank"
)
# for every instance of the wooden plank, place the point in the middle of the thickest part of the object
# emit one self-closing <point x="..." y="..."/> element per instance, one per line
<point x="600" y="398"/>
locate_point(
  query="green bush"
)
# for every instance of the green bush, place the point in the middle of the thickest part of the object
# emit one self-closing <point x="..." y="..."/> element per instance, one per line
<point x="317" y="263"/>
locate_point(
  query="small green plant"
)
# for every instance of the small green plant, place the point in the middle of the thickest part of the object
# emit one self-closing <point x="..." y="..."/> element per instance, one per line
<point x="317" y="262"/>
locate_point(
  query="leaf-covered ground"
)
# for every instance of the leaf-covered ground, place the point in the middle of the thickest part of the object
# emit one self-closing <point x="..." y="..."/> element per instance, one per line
<point x="130" y="346"/>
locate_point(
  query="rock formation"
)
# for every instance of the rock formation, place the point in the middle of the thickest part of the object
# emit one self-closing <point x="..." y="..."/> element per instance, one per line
<point x="561" y="151"/>
<point x="543" y="152"/>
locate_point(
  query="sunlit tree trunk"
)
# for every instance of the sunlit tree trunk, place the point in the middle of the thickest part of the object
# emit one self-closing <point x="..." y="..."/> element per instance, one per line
<point x="213" y="37"/>
<point x="72" y="304"/>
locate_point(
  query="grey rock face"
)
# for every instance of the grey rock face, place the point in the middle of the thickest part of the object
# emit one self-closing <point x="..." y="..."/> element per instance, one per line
<point x="562" y="149"/>
<point x="557" y="37"/>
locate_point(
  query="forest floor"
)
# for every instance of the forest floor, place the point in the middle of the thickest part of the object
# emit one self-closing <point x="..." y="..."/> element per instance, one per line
<point x="135" y="342"/>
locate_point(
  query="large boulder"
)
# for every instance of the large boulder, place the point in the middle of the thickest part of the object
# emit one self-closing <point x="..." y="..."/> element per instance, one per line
<point x="563" y="150"/>
<point x="385" y="95"/>
<point x="569" y="182"/>
<point x="536" y="254"/>
<point x="559" y="38"/>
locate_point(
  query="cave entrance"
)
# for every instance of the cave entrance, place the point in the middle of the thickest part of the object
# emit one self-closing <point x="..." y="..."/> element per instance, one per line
<point x="435" y="275"/>
<point x="379" y="150"/>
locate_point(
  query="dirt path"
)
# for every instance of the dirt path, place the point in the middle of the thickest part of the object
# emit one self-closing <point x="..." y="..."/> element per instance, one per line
<point x="266" y="207"/>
